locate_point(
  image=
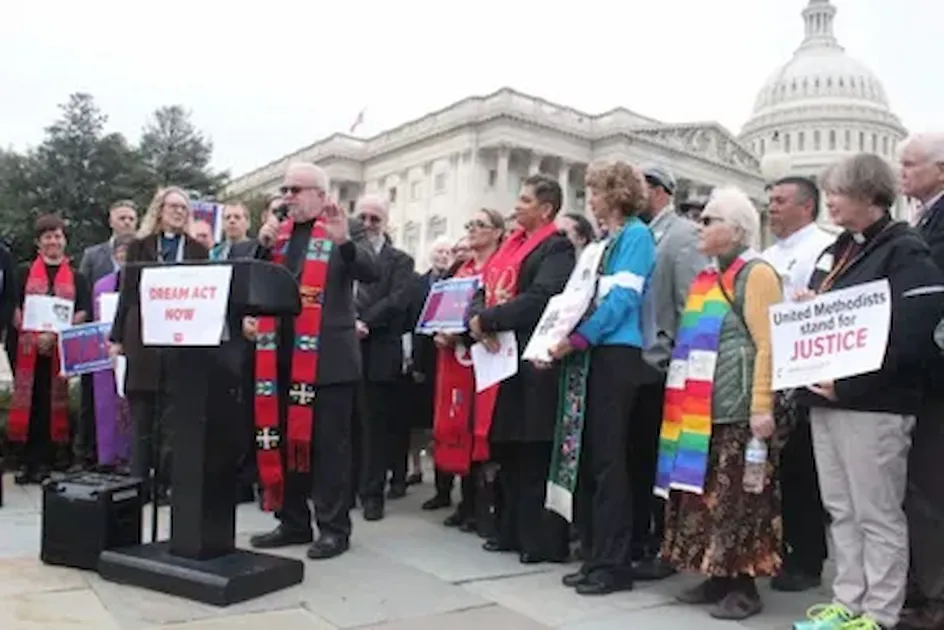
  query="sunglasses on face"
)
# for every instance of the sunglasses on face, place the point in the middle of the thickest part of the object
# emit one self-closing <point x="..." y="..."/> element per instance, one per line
<point x="477" y="224"/>
<point x="294" y="190"/>
<point x="372" y="219"/>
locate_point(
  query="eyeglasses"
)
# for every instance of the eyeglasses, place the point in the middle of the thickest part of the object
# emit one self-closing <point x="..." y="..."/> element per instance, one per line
<point x="706" y="221"/>
<point x="294" y="190"/>
<point x="373" y="219"/>
<point x="477" y="224"/>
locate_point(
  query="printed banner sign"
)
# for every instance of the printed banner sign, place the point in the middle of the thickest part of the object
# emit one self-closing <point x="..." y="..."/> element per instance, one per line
<point x="835" y="335"/>
<point x="565" y="310"/>
<point x="183" y="305"/>
<point x="446" y="306"/>
<point x="212" y="213"/>
<point x="83" y="349"/>
<point x="47" y="313"/>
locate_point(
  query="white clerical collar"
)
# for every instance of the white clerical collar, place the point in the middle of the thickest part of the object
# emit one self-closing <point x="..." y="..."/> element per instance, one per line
<point x="858" y="237"/>
<point x="170" y="235"/>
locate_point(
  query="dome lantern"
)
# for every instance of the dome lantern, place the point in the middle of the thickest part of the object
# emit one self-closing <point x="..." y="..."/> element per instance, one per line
<point x="818" y="17"/>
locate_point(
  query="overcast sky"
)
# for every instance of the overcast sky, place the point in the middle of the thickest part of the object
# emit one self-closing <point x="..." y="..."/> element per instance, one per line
<point x="278" y="74"/>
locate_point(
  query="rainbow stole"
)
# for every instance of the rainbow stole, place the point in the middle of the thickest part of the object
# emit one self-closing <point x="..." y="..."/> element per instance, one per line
<point x="686" y="420"/>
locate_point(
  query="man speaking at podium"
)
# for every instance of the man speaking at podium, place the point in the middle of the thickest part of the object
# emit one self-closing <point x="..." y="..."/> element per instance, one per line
<point x="307" y="368"/>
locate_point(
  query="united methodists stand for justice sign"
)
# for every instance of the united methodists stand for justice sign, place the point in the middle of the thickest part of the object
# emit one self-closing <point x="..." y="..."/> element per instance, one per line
<point x="184" y="305"/>
<point x="835" y="335"/>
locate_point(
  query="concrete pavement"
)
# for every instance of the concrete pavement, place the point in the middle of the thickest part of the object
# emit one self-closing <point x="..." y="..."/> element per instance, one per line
<point x="406" y="572"/>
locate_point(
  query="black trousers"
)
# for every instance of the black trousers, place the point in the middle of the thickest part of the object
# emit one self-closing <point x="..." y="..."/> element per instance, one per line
<point x="468" y="485"/>
<point x="84" y="446"/>
<point x="648" y="510"/>
<point x="329" y="484"/>
<point x="150" y="421"/>
<point x="804" y="517"/>
<point x="924" y="502"/>
<point x="523" y="522"/>
<point x="380" y="427"/>
<point x="39" y="452"/>
<point x="604" y="498"/>
<point x="228" y="396"/>
<point x="398" y="434"/>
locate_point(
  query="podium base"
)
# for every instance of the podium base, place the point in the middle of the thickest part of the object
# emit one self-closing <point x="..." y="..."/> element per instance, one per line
<point x="222" y="581"/>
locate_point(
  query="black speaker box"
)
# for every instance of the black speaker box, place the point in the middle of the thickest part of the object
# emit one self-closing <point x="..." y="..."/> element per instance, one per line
<point x="87" y="513"/>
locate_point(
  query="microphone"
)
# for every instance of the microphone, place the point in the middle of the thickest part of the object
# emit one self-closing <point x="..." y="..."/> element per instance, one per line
<point x="281" y="212"/>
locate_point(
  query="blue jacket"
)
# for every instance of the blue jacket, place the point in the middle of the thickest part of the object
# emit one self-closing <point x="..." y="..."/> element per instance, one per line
<point x="617" y="320"/>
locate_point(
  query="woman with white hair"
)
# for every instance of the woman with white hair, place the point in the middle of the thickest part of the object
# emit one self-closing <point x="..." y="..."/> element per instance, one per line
<point x="720" y="522"/>
<point x="163" y="237"/>
<point x="862" y="424"/>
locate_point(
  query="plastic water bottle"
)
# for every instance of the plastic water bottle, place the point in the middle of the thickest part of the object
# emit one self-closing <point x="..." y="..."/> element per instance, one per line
<point x="755" y="466"/>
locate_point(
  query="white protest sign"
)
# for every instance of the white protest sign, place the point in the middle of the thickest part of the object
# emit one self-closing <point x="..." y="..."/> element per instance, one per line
<point x="47" y="313"/>
<point x="184" y="305"/>
<point x="561" y="316"/>
<point x="107" y="307"/>
<point x="564" y="311"/>
<point x="835" y="335"/>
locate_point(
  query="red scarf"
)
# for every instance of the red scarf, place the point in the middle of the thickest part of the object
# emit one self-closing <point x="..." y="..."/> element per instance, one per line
<point x="452" y="410"/>
<point x="501" y="286"/>
<point x="304" y="372"/>
<point x="37" y="283"/>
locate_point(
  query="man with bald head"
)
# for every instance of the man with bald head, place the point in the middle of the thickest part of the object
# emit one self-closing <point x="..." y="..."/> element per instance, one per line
<point x="307" y="368"/>
<point x="921" y="170"/>
<point x="381" y="315"/>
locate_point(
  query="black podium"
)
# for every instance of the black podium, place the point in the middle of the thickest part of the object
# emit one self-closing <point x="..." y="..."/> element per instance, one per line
<point x="200" y="561"/>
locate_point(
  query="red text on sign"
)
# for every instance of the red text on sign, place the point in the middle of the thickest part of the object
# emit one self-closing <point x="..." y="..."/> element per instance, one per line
<point x="178" y="314"/>
<point x="832" y="343"/>
<point x="183" y="293"/>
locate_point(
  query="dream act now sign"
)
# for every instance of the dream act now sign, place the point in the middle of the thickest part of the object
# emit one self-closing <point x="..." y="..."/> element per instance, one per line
<point x="835" y="335"/>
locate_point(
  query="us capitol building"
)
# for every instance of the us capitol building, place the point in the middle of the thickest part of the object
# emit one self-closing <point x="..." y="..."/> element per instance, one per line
<point x="438" y="169"/>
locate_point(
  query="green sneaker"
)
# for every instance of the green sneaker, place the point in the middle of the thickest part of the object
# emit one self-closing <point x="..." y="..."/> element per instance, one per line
<point x="827" y="617"/>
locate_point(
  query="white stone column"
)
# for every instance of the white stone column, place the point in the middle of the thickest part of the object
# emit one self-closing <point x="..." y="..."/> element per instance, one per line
<point x="501" y="181"/>
<point x="563" y="178"/>
<point x="535" y="167"/>
<point x="335" y="192"/>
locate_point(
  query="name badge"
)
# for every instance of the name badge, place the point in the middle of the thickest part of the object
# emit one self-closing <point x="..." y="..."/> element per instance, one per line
<point x="825" y="263"/>
<point x="701" y="365"/>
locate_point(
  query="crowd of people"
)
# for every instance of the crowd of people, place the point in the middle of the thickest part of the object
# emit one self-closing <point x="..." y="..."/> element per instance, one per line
<point x="654" y="423"/>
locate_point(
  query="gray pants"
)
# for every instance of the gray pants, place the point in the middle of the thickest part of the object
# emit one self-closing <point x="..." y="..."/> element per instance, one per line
<point x="925" y="502"/>
<point x="862" y="463"/>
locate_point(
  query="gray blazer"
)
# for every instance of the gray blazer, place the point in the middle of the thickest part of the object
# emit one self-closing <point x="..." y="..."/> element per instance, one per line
<point x="97" y="262"/>
<point x="678" y="261"/>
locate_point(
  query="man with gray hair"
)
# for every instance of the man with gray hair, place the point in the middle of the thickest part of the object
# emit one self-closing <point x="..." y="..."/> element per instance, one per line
<point x="793" y="207"/>
<point x="921" y="172"/>
<point x="308" y="367"/>
<point x="381" y="320"/>
<point x="677" y="263"/>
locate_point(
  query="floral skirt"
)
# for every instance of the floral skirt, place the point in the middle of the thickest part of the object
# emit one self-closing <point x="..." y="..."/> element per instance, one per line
<point x="726" y="532"/>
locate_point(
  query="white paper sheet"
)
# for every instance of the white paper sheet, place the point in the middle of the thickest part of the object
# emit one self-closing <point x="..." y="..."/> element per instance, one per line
<point x="121" y="369"/>
<point x="492" y="368"/>
<point x="47" y="313"/>
<point x="107" y="307"/>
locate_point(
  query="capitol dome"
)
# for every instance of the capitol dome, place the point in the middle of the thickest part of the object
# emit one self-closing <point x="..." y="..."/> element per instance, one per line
<point x="821" y="104"/>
